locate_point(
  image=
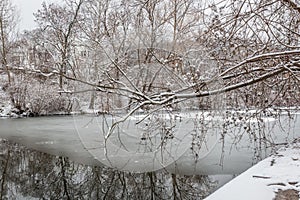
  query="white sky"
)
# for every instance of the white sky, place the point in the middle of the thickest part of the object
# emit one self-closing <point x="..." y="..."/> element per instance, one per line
<point x="26" y="9"/>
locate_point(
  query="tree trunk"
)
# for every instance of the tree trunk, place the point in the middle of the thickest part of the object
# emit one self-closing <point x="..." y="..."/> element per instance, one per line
<point x="92" y="100"/>
<point x="3" y="51"/>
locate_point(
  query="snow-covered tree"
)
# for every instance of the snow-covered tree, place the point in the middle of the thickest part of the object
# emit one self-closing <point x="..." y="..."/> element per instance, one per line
<point x="58" y="24"/>
<point x="8" y="29"/>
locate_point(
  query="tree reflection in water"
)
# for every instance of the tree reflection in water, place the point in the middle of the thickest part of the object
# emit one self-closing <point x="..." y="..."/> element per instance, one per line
<point x="30" y="174"/>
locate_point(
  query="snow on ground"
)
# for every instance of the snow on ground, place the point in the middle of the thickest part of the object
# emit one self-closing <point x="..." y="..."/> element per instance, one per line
<point x="277" y="177"/>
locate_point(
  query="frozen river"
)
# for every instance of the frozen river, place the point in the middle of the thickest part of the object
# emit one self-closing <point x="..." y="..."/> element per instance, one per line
<point x="82" y="138"/>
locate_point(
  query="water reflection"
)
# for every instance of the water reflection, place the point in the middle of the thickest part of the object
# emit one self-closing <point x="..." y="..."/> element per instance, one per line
<point x="29" y="174"/>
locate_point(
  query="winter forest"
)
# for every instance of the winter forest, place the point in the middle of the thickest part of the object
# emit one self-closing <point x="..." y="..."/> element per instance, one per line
<point x="230" y="59"/>
<point x="117" y="56"/>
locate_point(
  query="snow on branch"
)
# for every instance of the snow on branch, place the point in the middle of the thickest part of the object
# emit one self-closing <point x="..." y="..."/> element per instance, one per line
<point x="273" y="55"/>
<point x="294" y="4"/>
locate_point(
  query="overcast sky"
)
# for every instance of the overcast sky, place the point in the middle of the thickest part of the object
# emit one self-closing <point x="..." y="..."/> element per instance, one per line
<point x="26" y="9"/>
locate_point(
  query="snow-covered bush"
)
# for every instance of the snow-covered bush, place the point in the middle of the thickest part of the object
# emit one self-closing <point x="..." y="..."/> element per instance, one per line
<point x="37" y="96"/>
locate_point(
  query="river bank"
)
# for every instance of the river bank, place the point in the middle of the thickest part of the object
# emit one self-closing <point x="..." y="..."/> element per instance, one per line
<point x="276" y="177"/>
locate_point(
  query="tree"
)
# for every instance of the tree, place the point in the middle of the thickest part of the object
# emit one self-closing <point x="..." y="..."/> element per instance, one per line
<point x="59" y="35"/>
<point x="248" y="47"/>
<point x="8" y="23"/>
<point x="251" y="41"/>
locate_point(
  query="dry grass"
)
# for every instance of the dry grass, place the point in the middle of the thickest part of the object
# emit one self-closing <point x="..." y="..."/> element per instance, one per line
<point x="289" y="194"/>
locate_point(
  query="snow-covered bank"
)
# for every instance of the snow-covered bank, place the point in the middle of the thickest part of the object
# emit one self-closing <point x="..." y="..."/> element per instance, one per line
<point x="278" y="176"/>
